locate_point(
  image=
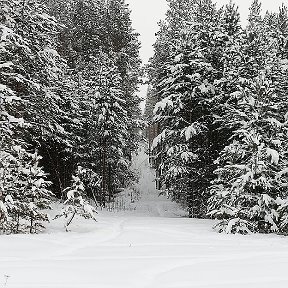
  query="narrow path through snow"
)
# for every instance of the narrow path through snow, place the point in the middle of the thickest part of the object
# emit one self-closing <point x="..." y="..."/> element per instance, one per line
<point x="151" y="204"/>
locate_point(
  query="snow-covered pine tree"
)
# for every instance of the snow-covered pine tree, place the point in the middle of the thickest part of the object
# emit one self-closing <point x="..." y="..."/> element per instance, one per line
<point x="282" y="31"/>
<point x="23" y="187"/>
<point x="26" y="189"/>
<point x="112" y="130"/>
<point x="184" y="149"/>
<point x="251" y="182"/>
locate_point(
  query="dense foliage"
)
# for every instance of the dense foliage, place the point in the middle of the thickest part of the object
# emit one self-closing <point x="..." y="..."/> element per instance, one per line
<point x="68" y="76"/>
<point x="222" y="113"/>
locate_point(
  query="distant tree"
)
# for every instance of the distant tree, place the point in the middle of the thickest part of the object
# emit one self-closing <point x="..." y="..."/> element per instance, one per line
<point x="283" y="27"/>
<point x="107" y="130"/>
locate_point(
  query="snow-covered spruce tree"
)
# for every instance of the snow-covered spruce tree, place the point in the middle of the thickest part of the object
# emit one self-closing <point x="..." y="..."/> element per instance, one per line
<point x="282" y="25"/>
<point x="105" y="27"/>
<point x="24" y="195"/>
<point x="111" y="130"/>
<point x="43" y="65"/>
<point x="251" y="182"/>
<point x="39" y="85"/>
<point x="278" y="29"/>
<point x="186" y="146"/>
<point x="259" y="43"/>
<point x="124" y="44"/>
<point x="173" y="154"/>
<point x="76" y="203"/>
<point x="102" y="129"/>
<point x="243" y="56"/>
<point x="26" y="192"/>
<point x="230" y="39"/>
<point x="51" y="112"/>
<point x="282" y="88"/>
<point x="178" y="15"/>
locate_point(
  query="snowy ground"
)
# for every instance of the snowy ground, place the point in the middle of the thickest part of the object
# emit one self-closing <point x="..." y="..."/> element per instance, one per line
<point x="152" y="247"/>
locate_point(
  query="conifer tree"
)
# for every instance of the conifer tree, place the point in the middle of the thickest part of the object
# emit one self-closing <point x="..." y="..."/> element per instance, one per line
<point x="26" y="67"/>
<point x="250" y="184"/>
<point x="282" y="31"/>
<point x="38" y="85"/>
<point x="107" y="130"/>
<point x="250" y="180"/>
<point x="76" y="203"/>
<point x="177" y="16"/>
<point x="184" y="148"/>
<point x="26" y="190"/>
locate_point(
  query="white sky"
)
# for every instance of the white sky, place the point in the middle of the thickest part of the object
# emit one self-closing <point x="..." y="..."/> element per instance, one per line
<point x="146" y="14"/>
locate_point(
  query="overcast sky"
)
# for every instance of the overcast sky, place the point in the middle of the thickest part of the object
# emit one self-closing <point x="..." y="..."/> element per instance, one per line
<point x="146" y="14"/>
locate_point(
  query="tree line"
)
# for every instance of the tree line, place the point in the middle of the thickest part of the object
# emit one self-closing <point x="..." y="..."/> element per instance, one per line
<point x="221" y="112"/>
<point x="69" y="115"/>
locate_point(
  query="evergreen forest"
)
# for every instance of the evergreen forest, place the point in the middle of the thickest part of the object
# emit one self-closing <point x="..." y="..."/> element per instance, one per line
<point x="70" y="117"/>
<point x="218" y="99"/>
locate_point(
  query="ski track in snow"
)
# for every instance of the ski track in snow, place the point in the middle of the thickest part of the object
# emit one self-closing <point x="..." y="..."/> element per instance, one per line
<point x="151" y="247"/>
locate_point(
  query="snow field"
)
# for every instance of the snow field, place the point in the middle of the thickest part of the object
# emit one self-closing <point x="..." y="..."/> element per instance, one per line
<point x="143" y="252"/>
